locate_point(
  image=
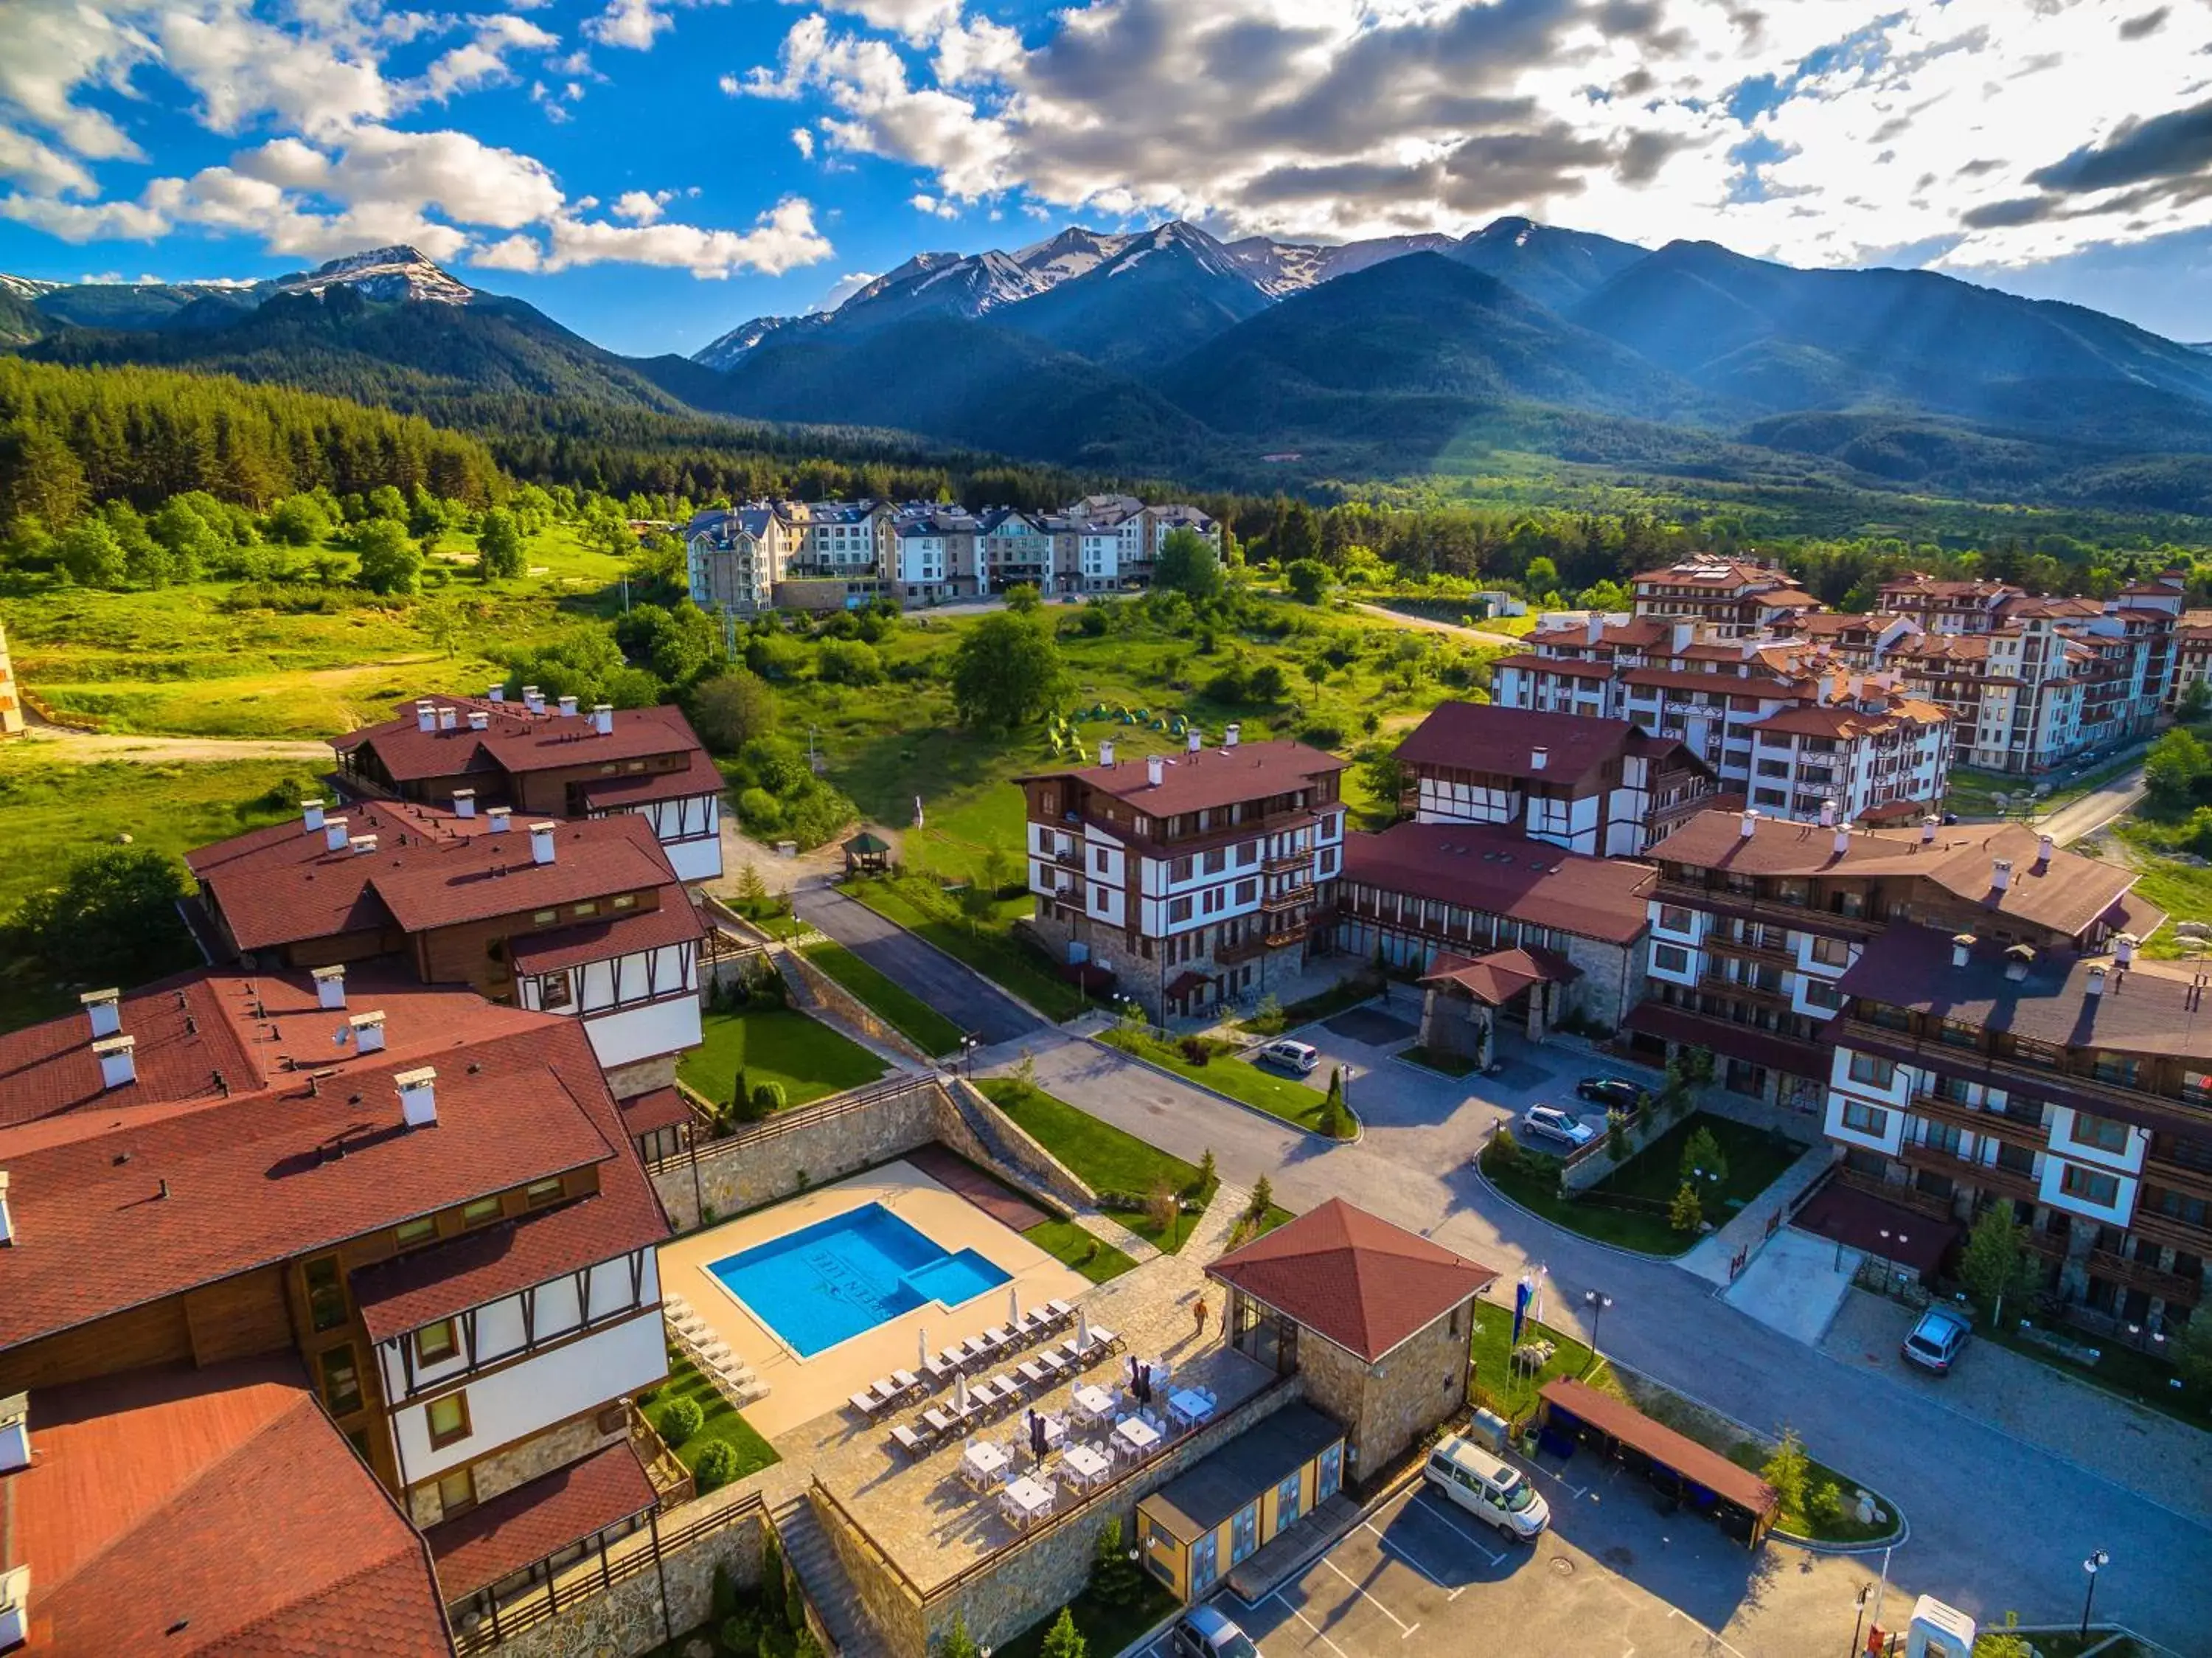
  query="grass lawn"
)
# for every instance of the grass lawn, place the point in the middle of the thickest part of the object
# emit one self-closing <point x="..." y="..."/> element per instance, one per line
<point x="1534" y="1184"/>
<point x="1103" y="1156"/>
<point x="722" y="1421"/>
<point x="989" y="947"/>
<point x="1497" y="1386"/>
<point x="1278" y="1096"/>
<point x="1350" y="994"/>
<point x="915" y="1019"/>
<point x="1105" y="1629"/>
<point x="1445" y="1063"/>
<point x="776" y="1045"/>
<point x="1072" y="1246"/>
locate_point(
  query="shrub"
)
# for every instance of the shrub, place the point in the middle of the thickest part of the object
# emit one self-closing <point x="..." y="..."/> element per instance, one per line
<point x="767" y="1098"/>
<point x="723" y="1602"/>
<point x="759" y="811"/>
<point x="957" y="1643"/>
<point x="1114" y="1578"/>
<point x="680" y="1418"/>
<point x="1788" y="1470"/>
<point x="1263" y="1196"/>
<point x="1502" y="1156"/>
<point x="717" y="1466"/>
<point x="1688" y="1212"/>
<point x="740" y="1630"/>
<point x="1064" y="1640"/>
<point x="1195" y="1049"/>
<point x="847" y="662"/>
<point x="1825" y="1505"/>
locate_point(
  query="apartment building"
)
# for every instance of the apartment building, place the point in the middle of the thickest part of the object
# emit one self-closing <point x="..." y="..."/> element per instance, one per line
<point x="937" y="554"/>
<point x="1781" y="721"/>
<point x="2192" y="661"/>
<point x="1194" y="878"/>
<point x="1728" y="598"/>
<point x="466" y="755"/>
<point x="1418" y="892"/>
<point x="582" y="919"/>
<point x="1994" y="1053"/>
<point x="1600" y="786"/>
<point x="312" y="1304"/>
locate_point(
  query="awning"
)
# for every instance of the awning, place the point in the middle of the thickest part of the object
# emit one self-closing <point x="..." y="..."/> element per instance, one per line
<point x="656" y="1108"/>
<point x="538" y="1519"/>
<point x="1858" y="1220"/>
<point x="1496" y="979"/>
<point x="1185" y="982"/>
<point x="1662" y="1445"/>
<point x="1730" y="1040"/>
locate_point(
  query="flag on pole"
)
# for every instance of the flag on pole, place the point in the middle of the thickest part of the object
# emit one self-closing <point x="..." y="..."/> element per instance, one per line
<point x="1543" y="1279"/>
<point x="917" y="811"/>
<point x="1522" y="1292"/>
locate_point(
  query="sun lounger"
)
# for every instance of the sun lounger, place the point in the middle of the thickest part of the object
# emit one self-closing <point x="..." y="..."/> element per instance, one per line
<point x="905" y="1380"/>
<point x="1061" y="1311"/>
<point x="909" y="1441"/>
<point x="1034" y="1373"/>
<point x="1056" y="1362"/>
<point x="940" y="1369"/>
<point x="866" y="1403"/>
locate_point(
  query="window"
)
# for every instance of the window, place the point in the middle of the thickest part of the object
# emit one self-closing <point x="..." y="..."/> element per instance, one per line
<point x="2116" y="1068"/>
<point x="436" y="1343"/>
<point x="538" y="1193"/>
<point x="588" y="907"/>
<point x="341" y="1381"/>
<point x="1178" y="910"/>
<point x="545" y="917"/>
<point x="481" y="1212"/>
<point x="1820" y="995"/>
<point x="2102" y="1132"/>
<point x="448" y="1418"/>
<point x="326" y="1301"/>
<point x="1247" y="891"/>
<point x="1870" y="1120"/>
<point x="2031" y="1053"/>
<point x="1099" y="859"/>
<point x="1831" y="952"/>
<point x="1945" y="1137"/>
<point x="625" y="901"/>
<point x="408" y="1233"/>
<point x="553" y="991"/>
<point x="1671" y="957"/>
<point x="1180" y="870"/>
<point x="1674" y="918"/>
<point x="1871" y="1068"/>
<point x="1954" y="1034"/>
<point x="2088" y="1187"/>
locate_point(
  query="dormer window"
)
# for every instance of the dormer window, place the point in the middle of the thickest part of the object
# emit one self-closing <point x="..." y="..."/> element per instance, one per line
<point x="408" y="1233"/>
<point x="538" y="1193"/>
<point x="436" y="1343"/>
<point x="625" y="901"/>
<point x="482" y="1212"/>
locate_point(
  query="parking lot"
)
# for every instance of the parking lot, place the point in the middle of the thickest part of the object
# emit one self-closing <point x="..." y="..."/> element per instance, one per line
<point x="1614" y="1577"/>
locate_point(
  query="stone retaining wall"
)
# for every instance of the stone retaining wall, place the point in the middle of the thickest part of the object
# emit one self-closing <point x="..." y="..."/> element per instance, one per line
<point x="1004" y="1142"/>
<point x="749" y="1169"/>
<point x="888" y="1603"/>
<point x="844" y="1005"/>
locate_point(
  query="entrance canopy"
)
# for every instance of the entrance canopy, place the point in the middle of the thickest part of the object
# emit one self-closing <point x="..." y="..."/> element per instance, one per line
<point x="1496" y="979"/>
<point x="1874" y="1226"/>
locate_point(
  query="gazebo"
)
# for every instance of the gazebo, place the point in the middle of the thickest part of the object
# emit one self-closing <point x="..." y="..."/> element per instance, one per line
<point x="867" y="854"/>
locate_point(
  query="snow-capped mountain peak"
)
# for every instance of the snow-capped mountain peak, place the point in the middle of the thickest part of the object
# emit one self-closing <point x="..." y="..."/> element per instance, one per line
<point x="1074" y="252"/>
<point x="379" y="273"/>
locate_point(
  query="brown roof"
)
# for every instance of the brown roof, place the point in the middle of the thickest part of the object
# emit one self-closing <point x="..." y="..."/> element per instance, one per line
<point x="1716" y="572"/>
<point x="1573" y="668"/>
<point x="1847" y="721"/>
<point x="1500" y="872"/>
<point x="2068" y="894"/>
<point x="1212" y="777"/>
<point x="1730" y="1039"/>
<point x="1662" y="1444"/>
<point x="656" y="1108"/>
<point x="541" y="1517"/>
<point x="1352" y="1277"/>
<point x="674" y="922"/>
<point x="1734" y="684"/>
<point x="488" y="875"/>
<point x="291" y="1164"/>
<point x="1496" y="979"/>
<point x="1638" y="631"/>
<point x="1484" y="737"/>
<point x="697" y="776"/>
<point x="515" y="740"/>
<point x="2146" y="1009"/>
<point x="215" y="1510"/>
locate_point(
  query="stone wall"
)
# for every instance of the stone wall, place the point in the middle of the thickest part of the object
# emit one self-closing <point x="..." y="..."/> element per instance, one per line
<point x="994" y="1138"/>
<point x="503" y="1470"/>
<point x="810" y="982"/>
<point x="641" y="1076"/>
<point x="822" y="1142"/>
<point x="628" y="1619"/>
<point x="1612" y="980"/>
<point x="1386" y="1409"/>
<point x="887" y="1601"/>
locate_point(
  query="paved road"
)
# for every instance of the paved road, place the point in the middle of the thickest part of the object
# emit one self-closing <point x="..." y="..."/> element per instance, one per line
<point x="1431" y="625"/>
<point x="2077" y="819"/>
<point x="968" y="1000"/>
<point x="1998" y="1524"/>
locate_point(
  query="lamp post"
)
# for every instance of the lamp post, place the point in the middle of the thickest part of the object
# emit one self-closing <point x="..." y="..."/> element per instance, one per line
<point x="1598" y="1301"/>
<point x="1859" y="1623"/>
<point x="2095" y="1564"/>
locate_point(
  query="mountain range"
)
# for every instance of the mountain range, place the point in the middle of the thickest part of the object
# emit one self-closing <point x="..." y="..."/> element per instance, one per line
<point x="1167" y="350"/>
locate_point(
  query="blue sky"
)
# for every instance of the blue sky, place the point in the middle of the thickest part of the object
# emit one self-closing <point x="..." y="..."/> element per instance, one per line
<point x="651" y="171"/>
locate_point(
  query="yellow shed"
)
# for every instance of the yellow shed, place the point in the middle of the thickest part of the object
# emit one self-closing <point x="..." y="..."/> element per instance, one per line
<point x="1230" y="1505"/>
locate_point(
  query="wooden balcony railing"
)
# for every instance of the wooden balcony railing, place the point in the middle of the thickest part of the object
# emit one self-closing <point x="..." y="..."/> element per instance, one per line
<point x="2164" y="1228"/>
<point x="1904" y="1196"/>
<point x="2029" y="1136"/>
<point x="2137" y="1275"/>
<point x="2178" y="1177"/>
<point x="1986" y="1177"/>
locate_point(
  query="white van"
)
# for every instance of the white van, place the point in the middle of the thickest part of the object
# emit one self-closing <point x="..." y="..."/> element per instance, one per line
<point x="1487" y="1487"/>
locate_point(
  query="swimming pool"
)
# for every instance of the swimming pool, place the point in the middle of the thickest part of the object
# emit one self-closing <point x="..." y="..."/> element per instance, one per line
<point x="838" y="1278"/>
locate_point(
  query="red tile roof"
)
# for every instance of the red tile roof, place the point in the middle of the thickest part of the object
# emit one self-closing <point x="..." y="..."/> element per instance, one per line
<point x="1500" y="872"/>
<point x="514" y="741"/>
<point x="1734" y="684"/>
<point x="1730" y="1039"/>
<point x="489" y="876"/>
<point x="1212" y="777"/>
<point x="293" y="1165"/>
<point x="1352" y="1277"/>
<point x="1848" y="722"/>
<point x="521" y="1526"/>
<point x="697" y="776"/>
<point x="281" y="884"/>
<point x="1496" y="979"/>
<point x="1571" y="667"/>
<point x="656" y="1108"/>
<point x="211" y="1511"/>
<point x="1484" y="737"/>
<point x="674" y="922"/>
<point x="1662" y="1444"/>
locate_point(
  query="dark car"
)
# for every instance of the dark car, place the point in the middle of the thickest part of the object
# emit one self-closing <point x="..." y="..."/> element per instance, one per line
<point x="1613" y="1093"/>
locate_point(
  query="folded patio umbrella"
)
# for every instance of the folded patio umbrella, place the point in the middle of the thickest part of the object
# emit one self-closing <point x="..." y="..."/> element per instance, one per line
<point x="960" y="1396"/>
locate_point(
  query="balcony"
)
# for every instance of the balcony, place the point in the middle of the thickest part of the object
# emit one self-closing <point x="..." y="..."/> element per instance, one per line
<point x="1904" y="1196"/>
<point x="2115" y="1268"/>
<point x="2178" y="1177"/>
<point x="1070" y="859"/>
<point x="2164" y="1228"/>
<point x="1291" y="898"/>
<point x="1773" y="912"/>
<point x="1743" y="990"/>
<point x="1243" y="949"/>
<point x="1280" y="935"/>
<point x="1772" y="955"/>
<point x="1286" y="863"/>
<point x="2027" y="1136"/>
<point x="1983" y="1176"/>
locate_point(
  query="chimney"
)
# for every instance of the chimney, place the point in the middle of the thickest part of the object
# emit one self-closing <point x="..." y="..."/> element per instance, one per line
<point x="418" y="1097"/>
<point x="1843" y="839"/>
<point x="2096" y="984"/>
<point x="1750" y="822"/>
<point x="2018" y="960"/>
<point x="567" y="708"/>
<point x="14" y="1605"/>
<point x="1594" y="629"/>
<point x="541" y="842"/>
<point x="2124" y="949"/>
<point x="533" y="699"/>
<point x="1231" y="735"/>
<point x="1962" y="948"/>
<point x="465" y="802"/>
<point x="334" y="834"/>
<point x="449" y="719"/>
<point x="103" y="1010"/>
<point x="426" y="718"/>
<point x="363" y="843"/>
<point x="2001" y="875"/>
<point x="1106" y="751"/>
<point x="118" y="1061"/>
<point x="498" y="698"/>
<point x="1195" y="740"/>
<point x="1156" y="771"/>
<point x="311" y="815"/>
<point x="1539" y="758"/>
<point x="15" y="1433"/>
<point x="2043" y="848"/>
<point x="7" y="1216"/>
<point x="603" y="718"/>
<point x="495" y="818"/>
<point x="1928" y="826"/>
<point x="479" y="720"/>
<point x="330" y="987"/>
<point x="367" y="1030"/>
<point x="1827" y="815"/>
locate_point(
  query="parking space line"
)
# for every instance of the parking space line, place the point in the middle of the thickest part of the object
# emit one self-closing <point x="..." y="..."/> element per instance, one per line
<point x="1407" y="1556"/>
<point x="1711" y="1634"/>
<point x="1482" y="1548"/>
<point x="1359" y="1589"/>
<point x="1277" y="1595"/>
<point x="1559" y="1479"/>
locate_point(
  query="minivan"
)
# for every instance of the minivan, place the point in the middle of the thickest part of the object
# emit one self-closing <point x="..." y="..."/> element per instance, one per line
<point x="1203" y="1632"/>
<point x="1488" y="1487"/>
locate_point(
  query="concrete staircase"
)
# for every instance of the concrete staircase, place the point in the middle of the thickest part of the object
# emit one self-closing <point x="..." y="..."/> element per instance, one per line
<point x="1748" y="1229"/>
<point x="808" y="1547"/>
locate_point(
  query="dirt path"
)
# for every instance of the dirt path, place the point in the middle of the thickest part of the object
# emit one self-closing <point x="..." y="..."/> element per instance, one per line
<point x="84" y="747"/>
<point x="1429" y="624"/>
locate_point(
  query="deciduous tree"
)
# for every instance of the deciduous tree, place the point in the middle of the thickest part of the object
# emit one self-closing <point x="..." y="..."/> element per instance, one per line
<point x="1004" y="673"/>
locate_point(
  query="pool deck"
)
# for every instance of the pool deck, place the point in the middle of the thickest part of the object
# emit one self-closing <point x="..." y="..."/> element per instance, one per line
<point x="802" y="1388"/>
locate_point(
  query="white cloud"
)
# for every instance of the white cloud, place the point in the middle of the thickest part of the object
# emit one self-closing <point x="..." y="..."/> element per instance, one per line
<point x="57" y="48"/>
<point x="917" y="20"/>
<point x="843" y="290"/>
<point x="515" y="252"/>
<point x="481" y="62"/>
<point x="637" y="24"/>
<point x="41" y="168"/>
<point x="924" y="202"/>
<point x="801" y="139"/>
<point x="782" y="239"/>
<point x="641" y="207"/>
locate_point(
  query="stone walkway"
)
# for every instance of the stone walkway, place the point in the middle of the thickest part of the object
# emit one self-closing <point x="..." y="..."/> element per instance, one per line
<point x="1746" y="1227"/>
<point x="1104" y="1227"/>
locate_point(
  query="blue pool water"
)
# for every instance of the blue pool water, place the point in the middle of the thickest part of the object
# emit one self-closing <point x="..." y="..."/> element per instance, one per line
<point x="849" y="1273"/>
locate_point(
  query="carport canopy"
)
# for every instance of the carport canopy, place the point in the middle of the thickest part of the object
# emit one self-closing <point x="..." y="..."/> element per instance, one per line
<point x="1661" y="1447"/>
